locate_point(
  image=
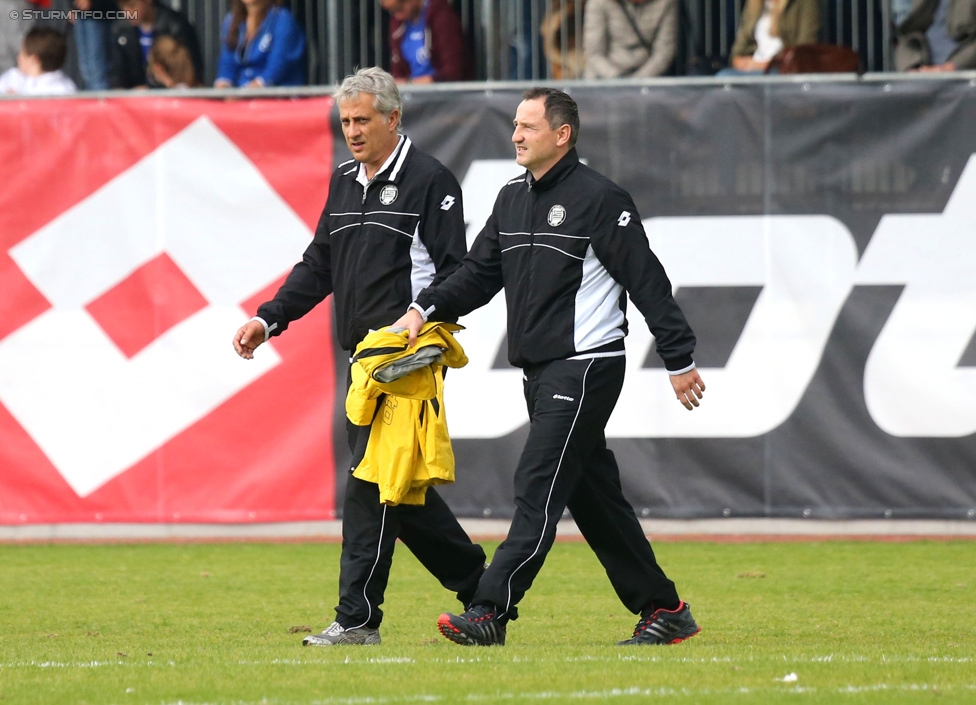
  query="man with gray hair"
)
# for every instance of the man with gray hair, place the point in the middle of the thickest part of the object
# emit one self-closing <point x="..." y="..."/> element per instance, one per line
<point x="392" y="225"/>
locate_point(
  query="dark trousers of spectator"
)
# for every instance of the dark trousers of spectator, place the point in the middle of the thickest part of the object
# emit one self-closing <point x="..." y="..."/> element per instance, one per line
<point x="566" y="463"/>
<point x="93" y="39"/>
<point x="369" y="534"/>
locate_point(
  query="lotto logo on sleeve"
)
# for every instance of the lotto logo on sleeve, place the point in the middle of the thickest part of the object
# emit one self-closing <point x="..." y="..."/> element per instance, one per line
<point x="624" y="219"/>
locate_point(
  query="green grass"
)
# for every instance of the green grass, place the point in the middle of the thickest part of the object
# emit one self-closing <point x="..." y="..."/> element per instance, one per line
<point x="857" y="622"/>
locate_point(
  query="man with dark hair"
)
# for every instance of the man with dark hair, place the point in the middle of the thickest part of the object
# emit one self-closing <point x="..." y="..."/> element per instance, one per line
<point x="49" y="46"/>
<point x="38" y="71"/>
<point x="566" y="243"/>
<point x="393" y="224"/>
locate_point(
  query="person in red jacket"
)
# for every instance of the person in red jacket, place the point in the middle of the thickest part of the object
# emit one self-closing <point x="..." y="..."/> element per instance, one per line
<point x="426" y="42"/>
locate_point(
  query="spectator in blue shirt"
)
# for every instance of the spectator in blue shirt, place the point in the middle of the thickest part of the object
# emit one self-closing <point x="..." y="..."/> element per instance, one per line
<point x="426" y="42"/>
<point x="261" y="45"/>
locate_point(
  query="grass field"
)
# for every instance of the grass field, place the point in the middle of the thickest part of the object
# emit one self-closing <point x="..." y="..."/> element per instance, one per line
<point x="806" y="622"/>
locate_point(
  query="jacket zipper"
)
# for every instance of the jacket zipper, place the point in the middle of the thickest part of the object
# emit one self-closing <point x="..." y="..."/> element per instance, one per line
<point x="354" y="312"/>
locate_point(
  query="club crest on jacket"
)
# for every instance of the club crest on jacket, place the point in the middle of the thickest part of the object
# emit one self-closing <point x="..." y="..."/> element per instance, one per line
<point x="557" y="214"/>
<point x="388" y="194"/>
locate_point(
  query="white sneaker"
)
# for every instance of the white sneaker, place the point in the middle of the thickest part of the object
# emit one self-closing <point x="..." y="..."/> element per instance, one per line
<point x="335" y="635"/>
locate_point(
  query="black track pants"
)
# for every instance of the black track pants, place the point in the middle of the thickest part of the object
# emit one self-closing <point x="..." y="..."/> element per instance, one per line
<point x="369" y="534"/>
<point x="565" y="462"/>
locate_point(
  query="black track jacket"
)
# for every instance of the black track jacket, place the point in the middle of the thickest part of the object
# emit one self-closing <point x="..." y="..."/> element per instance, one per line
<point x="566" y="248"/>
<point x="376" y="247"/>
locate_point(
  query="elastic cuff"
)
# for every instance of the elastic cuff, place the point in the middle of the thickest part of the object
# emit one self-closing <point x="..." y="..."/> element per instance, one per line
<point x="267" y="328"/>
<point x="424" y="314"/>
<point x="680" y="365"/>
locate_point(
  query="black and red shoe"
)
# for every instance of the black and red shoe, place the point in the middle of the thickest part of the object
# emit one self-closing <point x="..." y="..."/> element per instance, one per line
<point x="479" y="626"/>
<point x="664" y="627"/>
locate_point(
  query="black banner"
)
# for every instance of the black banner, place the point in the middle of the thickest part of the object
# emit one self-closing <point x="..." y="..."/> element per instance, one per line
<point x="821" y="240"/>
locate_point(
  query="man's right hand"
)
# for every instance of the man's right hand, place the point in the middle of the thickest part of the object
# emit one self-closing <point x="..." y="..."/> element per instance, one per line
<point x="413" y="322"/>
<point x="247" y="338"/>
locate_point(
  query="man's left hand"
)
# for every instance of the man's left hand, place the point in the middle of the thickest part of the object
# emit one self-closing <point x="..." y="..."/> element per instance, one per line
<point x="688" y="387"/>
<point x="413" y="322"/>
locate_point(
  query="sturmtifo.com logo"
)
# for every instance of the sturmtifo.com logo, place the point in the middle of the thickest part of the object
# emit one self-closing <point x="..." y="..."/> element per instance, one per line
<point x="30" y="15"/>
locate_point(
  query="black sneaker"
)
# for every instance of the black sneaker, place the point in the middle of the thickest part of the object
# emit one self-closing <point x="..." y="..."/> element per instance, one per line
<point x="477" y="627"/>
<point x="664" y="627"/>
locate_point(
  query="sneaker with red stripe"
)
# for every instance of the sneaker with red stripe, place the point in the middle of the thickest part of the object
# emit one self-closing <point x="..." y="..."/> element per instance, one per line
<point x="479" y="626"/>
<point x="664" y="627"/>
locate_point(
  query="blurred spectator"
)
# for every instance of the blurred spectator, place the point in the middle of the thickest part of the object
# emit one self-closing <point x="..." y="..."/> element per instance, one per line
<point x="261" y="45"/>
<point x="12" y="31"/>
<point x="900" y="10"/>
<point x="426" y="42"/>
<point x="769" y="26"/>
<point x="937" y="35"/>
<point x="93" y="42"/>
<point x="629" y="38"/>
<point x="171" y="65"/>
<point x="525" y="57"/>
<point x="133" y="38"/>
<point x="38" y="69"/>
<point x="559" y="42"/>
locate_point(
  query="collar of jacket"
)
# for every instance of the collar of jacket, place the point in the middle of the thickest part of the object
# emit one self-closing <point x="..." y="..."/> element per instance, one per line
<point x="557" y="173"/>
<point x="392" y="167"/>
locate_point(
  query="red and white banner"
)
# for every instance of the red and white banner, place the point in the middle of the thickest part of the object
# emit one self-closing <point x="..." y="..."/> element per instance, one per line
<point x="818" y="238"/>
<point x="135" y="237"/>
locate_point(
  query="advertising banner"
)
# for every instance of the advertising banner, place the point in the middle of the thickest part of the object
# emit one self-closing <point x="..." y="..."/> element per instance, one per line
<point x="135" y="237"/>
<point x="820" y="238"/>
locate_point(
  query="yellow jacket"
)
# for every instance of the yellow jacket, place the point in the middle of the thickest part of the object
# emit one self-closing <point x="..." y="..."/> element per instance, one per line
<point x="409" y="448"/>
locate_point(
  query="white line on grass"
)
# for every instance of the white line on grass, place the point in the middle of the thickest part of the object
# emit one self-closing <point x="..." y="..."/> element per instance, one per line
<point x="83" y="664"/>
<point x="386" y="660"/>
<point x="660" y="692"/>
<point x="611" y="693"/>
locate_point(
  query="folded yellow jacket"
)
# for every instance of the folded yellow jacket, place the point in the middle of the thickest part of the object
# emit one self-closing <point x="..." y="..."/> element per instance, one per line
<point x="409" y="448"/>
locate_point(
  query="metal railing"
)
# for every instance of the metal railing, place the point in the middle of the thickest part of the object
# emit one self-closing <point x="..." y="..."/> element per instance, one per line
<point x="532" y="39"/>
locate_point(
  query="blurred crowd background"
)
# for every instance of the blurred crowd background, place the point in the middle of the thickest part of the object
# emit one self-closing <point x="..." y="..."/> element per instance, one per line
<point x="105" y="44"/>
